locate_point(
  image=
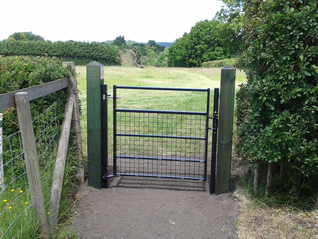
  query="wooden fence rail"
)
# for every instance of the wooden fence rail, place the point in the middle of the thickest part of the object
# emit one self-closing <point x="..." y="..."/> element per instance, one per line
<point x="20" y="99"/>
<point x="57" y="183"/>
<point x="1" y="159"/>
<point x="7" y="100"/>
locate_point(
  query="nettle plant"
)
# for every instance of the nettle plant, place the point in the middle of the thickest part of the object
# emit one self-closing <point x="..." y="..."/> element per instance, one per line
<point x="277" y="110"/>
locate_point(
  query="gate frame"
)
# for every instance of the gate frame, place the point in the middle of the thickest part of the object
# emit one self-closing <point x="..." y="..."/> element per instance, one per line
<point x="95" y="78"/>
<point x="206" y="114"/>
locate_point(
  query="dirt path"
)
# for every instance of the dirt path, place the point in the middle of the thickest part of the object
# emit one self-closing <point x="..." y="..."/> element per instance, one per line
<point x="146" y="208"/>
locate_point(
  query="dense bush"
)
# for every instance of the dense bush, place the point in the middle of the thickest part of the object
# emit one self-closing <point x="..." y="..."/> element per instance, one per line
<point x="277" y="110"/>
<point x="103" y="53"/>
<point x="22" y="72"/>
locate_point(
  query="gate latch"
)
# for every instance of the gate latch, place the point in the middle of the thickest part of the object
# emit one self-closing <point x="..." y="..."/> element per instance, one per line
<point x="110" y="97"/>
<point x="215" y="120"/>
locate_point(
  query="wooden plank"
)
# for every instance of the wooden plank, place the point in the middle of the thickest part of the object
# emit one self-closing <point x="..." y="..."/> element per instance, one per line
<point x="1" y="159"/>
<point x="76" y="125"/>
<point x="31" y="159"/>
<point x="225" y="134"/>
<point x="7" y="100"/>
<point x="58" y="177"/>
<point x="94" y="137"/>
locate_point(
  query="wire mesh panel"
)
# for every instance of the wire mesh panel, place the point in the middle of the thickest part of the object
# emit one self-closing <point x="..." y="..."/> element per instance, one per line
<point x="160" y="143"/>
<point x="15" y="200"/>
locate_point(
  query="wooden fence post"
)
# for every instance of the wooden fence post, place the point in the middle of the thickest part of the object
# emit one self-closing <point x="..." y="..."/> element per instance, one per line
<point x="76" y="125"/>
<point x="1" y="159"/>
<point x="95" y="78"/>
<point x="225" y="134"/>
<point x="31" y="159"/>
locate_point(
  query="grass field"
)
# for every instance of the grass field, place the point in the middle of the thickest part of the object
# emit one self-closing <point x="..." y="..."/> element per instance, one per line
<point x="155" y="77"/>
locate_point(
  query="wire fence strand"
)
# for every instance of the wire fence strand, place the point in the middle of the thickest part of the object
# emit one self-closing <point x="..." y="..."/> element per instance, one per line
<point x="16" y="212"/>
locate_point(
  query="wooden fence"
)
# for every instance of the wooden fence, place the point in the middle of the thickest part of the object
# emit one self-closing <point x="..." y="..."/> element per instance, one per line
<point x="20" y="99"/>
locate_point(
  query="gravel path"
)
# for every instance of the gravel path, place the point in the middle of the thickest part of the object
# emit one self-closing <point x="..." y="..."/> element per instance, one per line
<point x="149" y="208"/>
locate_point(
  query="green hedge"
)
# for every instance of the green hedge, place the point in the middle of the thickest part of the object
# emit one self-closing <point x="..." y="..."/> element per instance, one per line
<point x="103" y="53"/>
<point x="220" y="63"/>
<point x="277" y="110"/>
<point x="22" y="72"/>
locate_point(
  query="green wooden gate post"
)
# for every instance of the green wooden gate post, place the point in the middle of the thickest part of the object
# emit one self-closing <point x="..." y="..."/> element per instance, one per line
<point x="226" y="113"/>
<point x="95" y="78"/>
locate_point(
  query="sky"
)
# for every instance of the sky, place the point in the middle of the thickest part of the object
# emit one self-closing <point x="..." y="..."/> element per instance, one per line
<point x="102" y="20"/>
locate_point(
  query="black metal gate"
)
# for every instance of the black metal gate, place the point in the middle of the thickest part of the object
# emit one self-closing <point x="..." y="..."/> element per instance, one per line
<point x="160" y="143"/>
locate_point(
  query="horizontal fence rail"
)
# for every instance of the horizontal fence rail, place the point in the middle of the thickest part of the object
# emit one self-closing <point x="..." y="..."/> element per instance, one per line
<point x="7" y="100"/>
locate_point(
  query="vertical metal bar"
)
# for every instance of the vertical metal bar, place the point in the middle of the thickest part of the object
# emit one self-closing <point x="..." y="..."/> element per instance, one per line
<point x="206" y="135"/>
<point x="214" y="139"/>
<point x="104" y="115"/>
<point x="114" y="132"/>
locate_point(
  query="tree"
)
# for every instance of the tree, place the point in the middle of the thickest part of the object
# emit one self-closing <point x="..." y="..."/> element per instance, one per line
<point x="26" y="36"/>
<point x="119" y="41"/>
<point x="230" y="32"/>
<point x="18" y="36"/>
<point x="178" y="54"/>
<point x="155" y="47"/>
<point x="200" y="45"/>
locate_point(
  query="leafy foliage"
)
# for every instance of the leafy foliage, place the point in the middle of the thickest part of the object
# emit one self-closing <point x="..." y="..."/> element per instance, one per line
<point x="230" y="32"/>
<point x="119" y="41"/>
<point x="202" y="44"/>
<point x="277" y="110"/>
<point x="104" y="53"/>
<point x="26" y="36"/>
<point x="220" y="63"/>
<point x="22" y="72"/>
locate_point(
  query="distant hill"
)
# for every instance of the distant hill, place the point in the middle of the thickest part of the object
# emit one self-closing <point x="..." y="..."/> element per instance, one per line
<point x="164" y="43"/>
